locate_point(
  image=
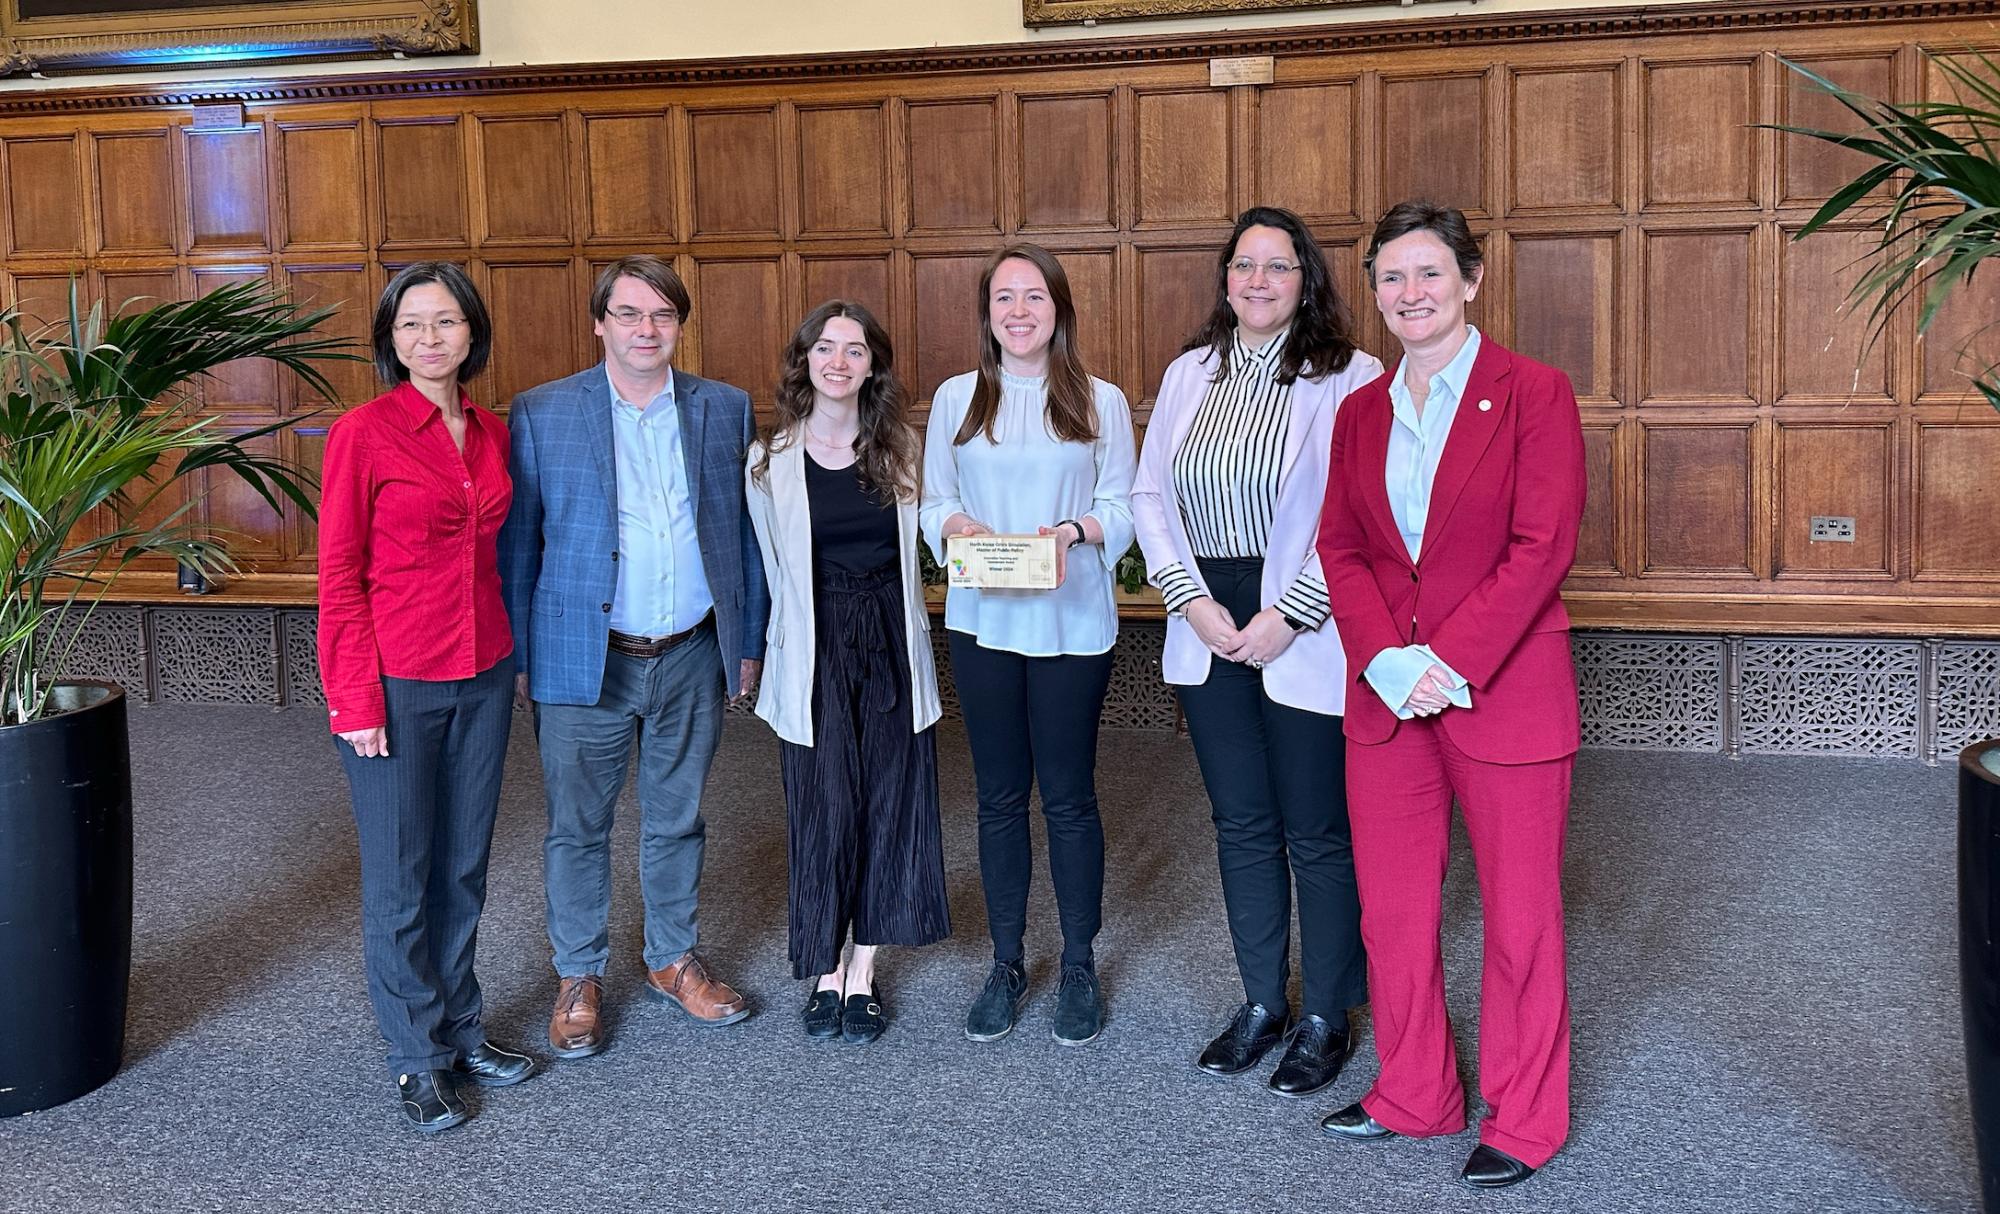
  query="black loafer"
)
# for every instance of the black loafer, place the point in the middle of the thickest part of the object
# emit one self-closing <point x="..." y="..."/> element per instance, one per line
<point x="1252" y="1031"/>
<point x="1353" y="1124"/>
<point x="822" y="1014"/>
<point x="492" y="1066"/>
<point x="430" y="1102"/>
<point x="864" y="1018"/>
<point x="1487" y="1168"/>
<point x="1314" y="1058"/>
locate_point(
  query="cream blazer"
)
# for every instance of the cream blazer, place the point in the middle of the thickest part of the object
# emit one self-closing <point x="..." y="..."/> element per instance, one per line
<point x="1312" y="672"/>
<point x="783" y="523"/>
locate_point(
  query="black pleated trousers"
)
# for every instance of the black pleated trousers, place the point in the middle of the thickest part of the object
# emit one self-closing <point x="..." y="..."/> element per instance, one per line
<point x="1277" y="789"/>
<point x="866" y="843"/>
<point x="424" y="818"/>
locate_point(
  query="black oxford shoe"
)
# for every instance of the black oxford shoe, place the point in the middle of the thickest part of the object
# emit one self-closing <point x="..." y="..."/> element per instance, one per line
<point x="493" y="1066"/>
<point x="1487" y="1168"/>
<point x="430" y="1102"/>
<point x="1353" y="1124"/>
<point x="1314" y="1058"/>
<point x="1252" y="1031"/>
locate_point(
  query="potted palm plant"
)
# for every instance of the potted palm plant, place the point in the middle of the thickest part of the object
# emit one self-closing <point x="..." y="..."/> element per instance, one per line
<point x="99" y="416"/>
<point x="1932" y="185"/>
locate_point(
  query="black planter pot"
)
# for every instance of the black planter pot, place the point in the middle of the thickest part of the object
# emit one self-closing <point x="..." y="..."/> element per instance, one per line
<point x="65" y="898"/>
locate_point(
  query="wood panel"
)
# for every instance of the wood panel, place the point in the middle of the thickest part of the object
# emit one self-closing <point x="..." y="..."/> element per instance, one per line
<point x="135" y="192"/>
<point x="1065" y="162"/>
<point x="1697" y="498"/>
<point x="256" y="532"/>
<point x="954" y="158"/>
<point x="1835" y="469"/>
<point x="351" y="289"/>
<point x="1699" y="149"/>
<point x="44" y="196"/>
<point x="1305" y="150"/>
<point x="228" y="198"/>
<point x="524" y="176"/>
<point x="1635" y="216"/>
<point x="136" y="290"/>
<point x="629" y="174"/>
<point x="1813" y="169"/>
<point x="1433" y="141"/>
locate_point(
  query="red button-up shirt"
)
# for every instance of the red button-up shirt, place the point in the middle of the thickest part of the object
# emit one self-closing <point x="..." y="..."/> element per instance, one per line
<point x="409" y="572"/>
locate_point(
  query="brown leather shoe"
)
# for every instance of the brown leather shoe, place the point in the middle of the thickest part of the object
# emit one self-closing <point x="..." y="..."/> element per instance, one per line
<point x="576" y="1030"/>
<point x="686" y="985"/>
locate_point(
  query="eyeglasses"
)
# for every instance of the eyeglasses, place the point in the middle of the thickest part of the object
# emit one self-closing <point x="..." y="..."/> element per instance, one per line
<point x="1280" y="269"/>
<point x="443" y="326"/>
<point x="630" y="317"/>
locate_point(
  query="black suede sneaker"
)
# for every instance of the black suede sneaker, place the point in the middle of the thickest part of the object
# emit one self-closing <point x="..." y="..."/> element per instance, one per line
<point x="1079" y="1017"/>
<point x="430" y="1102"/>
<point x="993" y="1014"/>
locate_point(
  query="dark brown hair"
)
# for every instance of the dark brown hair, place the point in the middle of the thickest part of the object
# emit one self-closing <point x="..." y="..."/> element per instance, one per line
<point x="1070" y="407"/>
<point x="1446" y="223"/>
<point x="651" y="270"/>
<point x="463" y="293"/>
<point x="886" y="449"/>
<point x="1321" y="339"/>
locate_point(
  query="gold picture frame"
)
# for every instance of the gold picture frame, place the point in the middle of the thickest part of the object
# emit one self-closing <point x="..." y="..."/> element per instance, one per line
<point x="1076" y="12"/>
<point x="49" y="37"/>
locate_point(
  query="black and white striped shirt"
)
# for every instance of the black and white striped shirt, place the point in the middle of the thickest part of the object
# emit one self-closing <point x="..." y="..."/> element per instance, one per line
<point x="1227" y="473"/>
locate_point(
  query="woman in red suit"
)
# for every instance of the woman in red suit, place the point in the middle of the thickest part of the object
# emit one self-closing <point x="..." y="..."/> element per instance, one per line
<point x="1450" y="522"/>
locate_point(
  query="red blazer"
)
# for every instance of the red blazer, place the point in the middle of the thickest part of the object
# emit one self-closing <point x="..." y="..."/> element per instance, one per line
<point x="1484" y="594"/>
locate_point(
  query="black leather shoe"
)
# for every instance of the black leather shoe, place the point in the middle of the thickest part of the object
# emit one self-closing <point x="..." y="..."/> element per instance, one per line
<point x="1353" y="1124"/>
<point x="822" y="1014"/>
<point x="1487" y="1168"/>
<point x="430" y="1102"/>
<point x="1252" y="1031"/>
<point x="492" y="1066"/>
<point x="864" y="1018"/>
<point x="1314" y="1058"/>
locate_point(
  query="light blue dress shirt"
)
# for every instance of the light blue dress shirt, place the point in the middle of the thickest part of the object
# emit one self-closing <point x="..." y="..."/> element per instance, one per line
<point x="662" y="588"/>
<point x="1416" y="444"/>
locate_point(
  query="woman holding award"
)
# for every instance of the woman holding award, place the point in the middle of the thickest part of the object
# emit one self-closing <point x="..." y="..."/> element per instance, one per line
<point x="849" y="684"/>
<point x="1227" y="507"/>
<point x="1031" y="444"/>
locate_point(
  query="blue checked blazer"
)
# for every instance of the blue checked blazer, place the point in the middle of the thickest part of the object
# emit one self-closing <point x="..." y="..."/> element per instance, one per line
<point x="559" y="546"/>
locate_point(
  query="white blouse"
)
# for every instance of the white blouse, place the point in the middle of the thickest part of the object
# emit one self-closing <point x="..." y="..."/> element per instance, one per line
<point x="1026" y="478"/>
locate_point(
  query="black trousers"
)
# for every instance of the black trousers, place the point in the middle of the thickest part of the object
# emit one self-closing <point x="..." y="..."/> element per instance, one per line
<point x="1277" y="786"/>
<point x="424" y="817"/>
<point x="865" y="843"/>
<point x="1034" y="720"/>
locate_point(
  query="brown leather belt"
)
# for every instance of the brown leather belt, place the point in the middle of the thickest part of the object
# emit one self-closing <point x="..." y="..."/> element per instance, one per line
<point x="650" y="647"/>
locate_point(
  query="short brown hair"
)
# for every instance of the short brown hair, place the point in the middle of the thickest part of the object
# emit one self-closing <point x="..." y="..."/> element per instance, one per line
<point x="1446" y="223"/>
<point x="651" y="270"/>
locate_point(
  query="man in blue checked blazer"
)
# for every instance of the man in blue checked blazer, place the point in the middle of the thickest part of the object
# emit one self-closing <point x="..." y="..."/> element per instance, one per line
<point x="638" y="603"/>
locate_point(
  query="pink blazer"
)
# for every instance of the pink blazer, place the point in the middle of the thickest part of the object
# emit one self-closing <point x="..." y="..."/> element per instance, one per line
<point x="1485" y="592"/>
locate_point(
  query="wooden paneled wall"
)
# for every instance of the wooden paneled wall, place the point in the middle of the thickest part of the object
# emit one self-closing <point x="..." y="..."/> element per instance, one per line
<point x="1637" y="224"/>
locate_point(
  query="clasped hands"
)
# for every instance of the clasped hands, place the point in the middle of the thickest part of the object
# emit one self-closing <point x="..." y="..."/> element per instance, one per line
<point x="1267" y="635"/>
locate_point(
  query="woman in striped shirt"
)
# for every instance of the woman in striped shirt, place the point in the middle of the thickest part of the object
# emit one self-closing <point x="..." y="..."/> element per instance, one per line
<point x="1226" y="505"/>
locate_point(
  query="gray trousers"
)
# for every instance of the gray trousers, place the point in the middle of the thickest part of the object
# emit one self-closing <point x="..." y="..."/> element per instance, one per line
<point x="672" y="706"/>
<point x="424" y="818"/>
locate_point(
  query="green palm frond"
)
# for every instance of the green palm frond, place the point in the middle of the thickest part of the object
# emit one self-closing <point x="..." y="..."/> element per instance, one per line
<point x="1939" y="219"/>
<point x="100" y="416"/>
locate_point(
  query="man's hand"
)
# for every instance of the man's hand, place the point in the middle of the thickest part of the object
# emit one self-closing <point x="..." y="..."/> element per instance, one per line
<point x="750" y="675"/>
<point x="369" y="743"/>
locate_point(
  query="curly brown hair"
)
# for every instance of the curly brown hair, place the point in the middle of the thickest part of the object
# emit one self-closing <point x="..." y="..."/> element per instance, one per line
<point x="886" y="450"/>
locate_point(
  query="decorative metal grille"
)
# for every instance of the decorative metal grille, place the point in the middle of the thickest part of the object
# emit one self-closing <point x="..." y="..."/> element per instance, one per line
<point x="1650" y="692"/>
<point x="298" y="630"/>
<point x="216" y="655"/>
<point x="110" y="644"/>
<point x="1968" y="696"/>
<point x="1137" y="697"/>
<point x="1830" y="697"/>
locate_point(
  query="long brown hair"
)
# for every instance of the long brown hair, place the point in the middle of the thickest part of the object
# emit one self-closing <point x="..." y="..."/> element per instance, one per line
<point x="886" y="449"/>
<point x="1321" y="340"/>
<point x="1071" y="405"/>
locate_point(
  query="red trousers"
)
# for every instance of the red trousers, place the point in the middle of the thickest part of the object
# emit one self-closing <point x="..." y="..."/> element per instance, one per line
<point x="1399" y="797"/>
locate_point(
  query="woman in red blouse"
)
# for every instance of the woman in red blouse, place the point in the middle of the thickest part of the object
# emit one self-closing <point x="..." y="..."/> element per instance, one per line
<point x="417" y="661"/>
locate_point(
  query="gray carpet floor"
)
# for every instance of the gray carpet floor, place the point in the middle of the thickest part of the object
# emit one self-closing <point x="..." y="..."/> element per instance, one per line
<point x="1762" y="970"/>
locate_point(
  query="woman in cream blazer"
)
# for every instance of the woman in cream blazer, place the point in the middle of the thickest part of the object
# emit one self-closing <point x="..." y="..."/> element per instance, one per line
<point x="849" y="685"/>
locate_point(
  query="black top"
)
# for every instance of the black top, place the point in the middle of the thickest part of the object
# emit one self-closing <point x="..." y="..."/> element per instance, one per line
<point x="852" y="530"/>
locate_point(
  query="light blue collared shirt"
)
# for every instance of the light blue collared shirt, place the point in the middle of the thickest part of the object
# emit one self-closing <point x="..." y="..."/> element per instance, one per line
<point x="1416" y="445"/>
<point x="662" y="588"/>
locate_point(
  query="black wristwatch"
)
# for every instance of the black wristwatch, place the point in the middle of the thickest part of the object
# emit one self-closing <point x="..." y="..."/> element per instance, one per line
<point x="1296" y="624"/>
<point x="1080" y="536"/>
